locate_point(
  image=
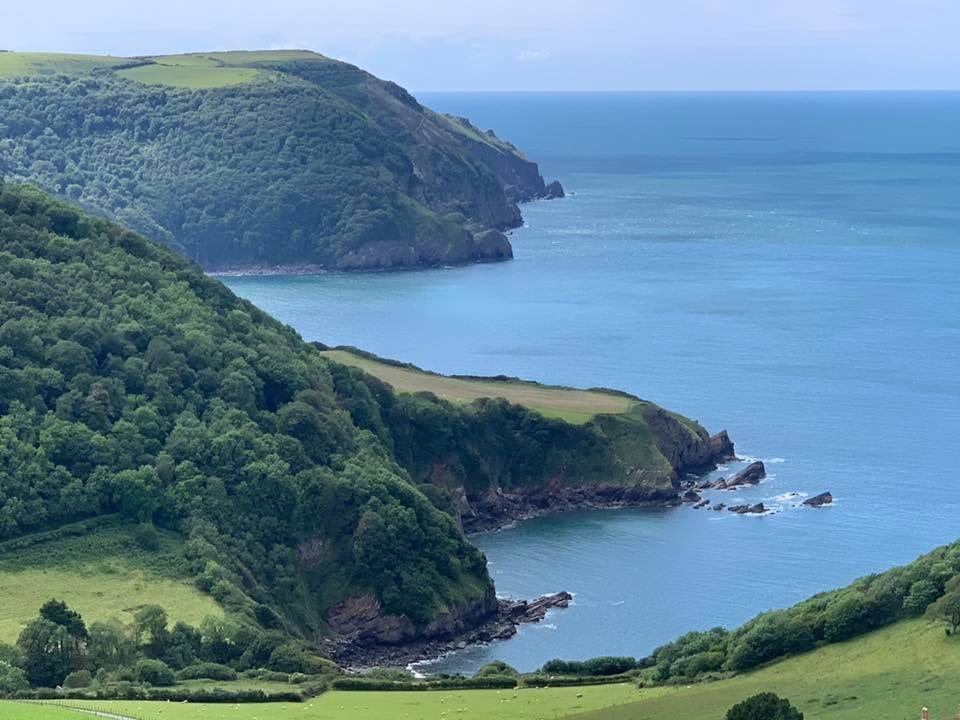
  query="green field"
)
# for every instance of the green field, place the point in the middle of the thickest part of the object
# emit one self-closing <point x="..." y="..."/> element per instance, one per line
<point x="192" y="75"/>
<point x="103" y="575"/>
<point x="15" y="64"/>
<point x="195" y="71"/>
<point x="27" y="711"/>
<point x="529" y="704"/>
<point x="886" y="675"/>
<point x="575" y="406"/>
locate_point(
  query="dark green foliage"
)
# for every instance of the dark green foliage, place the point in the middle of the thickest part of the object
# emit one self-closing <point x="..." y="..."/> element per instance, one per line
<point x="133" y="384"/>
<point x="56" y="611"/>
<point x="595" y="666"/>
<point x="208" y="671"/>
<point x="494" y="682"/>
<point x="78" y="679"/>
<point x="298" y="657"/>
<point x="947" y="609"/>
<point x="154" y="672"/>
<point x="496" y="667"/>
<point x="764" y="706"/>
<point x="110" y="646"/>
<point x="50" y="652"/>
<point x="393" y="674"/>
<point x="12" y="678"/>
<point x="276" y="171"/>
<point x="147" y="536"/>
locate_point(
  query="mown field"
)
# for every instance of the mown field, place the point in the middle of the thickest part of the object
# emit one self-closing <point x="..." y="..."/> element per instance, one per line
<point x="575" y="406"/>
<point x="886" y="675"/>
<point x="103" y="575"/>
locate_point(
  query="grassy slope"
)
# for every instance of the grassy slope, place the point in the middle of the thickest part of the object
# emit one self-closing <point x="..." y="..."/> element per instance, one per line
<point x="192" y="76"/>
<point x="575" y="406"/>
<point x="16" y="64"/>
<point x="104" y="575"/>
<point x="195" y="71"/>
<point x="886" y="675"/>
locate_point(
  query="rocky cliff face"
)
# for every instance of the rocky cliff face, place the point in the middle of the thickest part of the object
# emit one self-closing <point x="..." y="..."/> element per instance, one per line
<point x="360" y="619"/>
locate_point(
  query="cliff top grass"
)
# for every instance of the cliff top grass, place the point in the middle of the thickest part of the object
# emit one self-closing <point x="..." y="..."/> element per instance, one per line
<point x="886" y="675"/>
<point x="572" y="405"/>
<point x="195" y="71"/>
<point x="17" y="64"/>
<point x="103" y="575"/>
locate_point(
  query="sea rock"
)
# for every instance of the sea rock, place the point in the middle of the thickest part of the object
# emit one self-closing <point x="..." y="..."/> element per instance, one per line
<point x="721" y="446"/>
<point x="819" y="500"/>
<point x="492" y="245"/>
<point x="701" y="504"/>
<point x="692" y="496"/>
<point x="750" y="475"/>
<point x="719" y="506"/>
<point x="748" y="509"/>
<point x="553" y="191"/>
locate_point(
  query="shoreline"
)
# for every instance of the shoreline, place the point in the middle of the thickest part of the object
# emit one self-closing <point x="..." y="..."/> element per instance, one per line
<point x="312" y="269"/>
<point x="358" y="657"/>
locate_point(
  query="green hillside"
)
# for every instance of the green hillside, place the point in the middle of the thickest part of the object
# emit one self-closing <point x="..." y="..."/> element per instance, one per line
<point x="164" y="442"/>
<point x="244" y="160"/>
<point x="130" y="383"/>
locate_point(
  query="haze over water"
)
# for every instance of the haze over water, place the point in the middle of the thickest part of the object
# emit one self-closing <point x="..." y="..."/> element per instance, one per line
<point x="782" y="266"/>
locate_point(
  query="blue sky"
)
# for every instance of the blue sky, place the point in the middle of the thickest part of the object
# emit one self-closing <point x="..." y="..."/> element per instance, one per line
<point x="539" y="44"/>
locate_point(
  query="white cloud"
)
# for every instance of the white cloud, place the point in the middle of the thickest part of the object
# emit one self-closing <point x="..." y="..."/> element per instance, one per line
<point x="532" y="55"/>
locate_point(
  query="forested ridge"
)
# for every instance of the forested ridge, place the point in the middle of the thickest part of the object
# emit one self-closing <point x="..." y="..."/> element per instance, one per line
<point x="310" y="162"/>
<point x="131" y="383"/>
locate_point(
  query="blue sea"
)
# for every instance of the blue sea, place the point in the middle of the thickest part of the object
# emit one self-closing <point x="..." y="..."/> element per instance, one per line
<point x="784" y="266"/>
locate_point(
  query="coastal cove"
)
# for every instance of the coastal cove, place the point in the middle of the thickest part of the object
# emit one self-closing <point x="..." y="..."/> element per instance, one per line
<point x="782" y="266"/>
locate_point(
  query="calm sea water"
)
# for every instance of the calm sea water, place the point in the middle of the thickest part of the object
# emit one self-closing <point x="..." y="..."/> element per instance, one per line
<point x="783" y="266"/>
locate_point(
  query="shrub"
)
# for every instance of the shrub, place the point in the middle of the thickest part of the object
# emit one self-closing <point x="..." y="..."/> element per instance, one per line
<point x="764" y="706"/>
<point x="78" y="679"/>
<point x="496" y="668"/>
<point x="154" y="672"/>
<point x="147" y="537"/>
<point x="604" y="665"/>
<point x="294" y="657"/>
<point x="207" y="671"/>
<point x="394" y="674"/>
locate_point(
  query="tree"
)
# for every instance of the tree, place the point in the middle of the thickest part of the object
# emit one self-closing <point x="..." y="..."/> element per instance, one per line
<point x="57" y="611"/>
<point x="154" y="672"/>
<point x="947" y="608"/>
<point x="12" y="678"/>
<point x="110" y="646"/>
<point x="764" y="706"/>
<point x="50" y="652"/>
<point x="150" y="630"/>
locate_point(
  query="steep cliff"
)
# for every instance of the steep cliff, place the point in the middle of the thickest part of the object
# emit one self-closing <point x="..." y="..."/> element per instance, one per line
<point x="490" y="460"/>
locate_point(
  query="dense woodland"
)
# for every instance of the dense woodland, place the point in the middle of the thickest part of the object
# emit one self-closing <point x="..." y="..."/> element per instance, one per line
<point x="130" y="383"/>
<point x="315" y="162"/>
